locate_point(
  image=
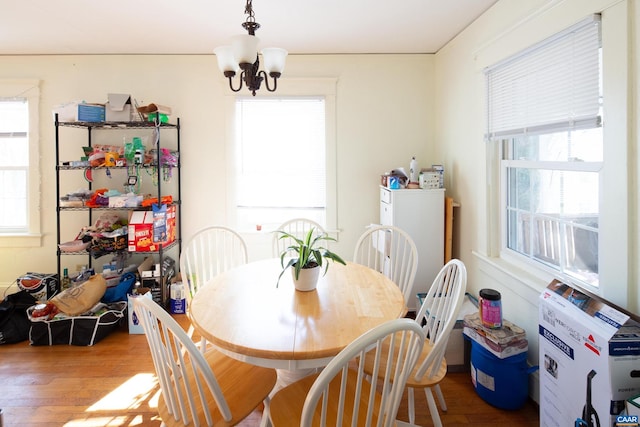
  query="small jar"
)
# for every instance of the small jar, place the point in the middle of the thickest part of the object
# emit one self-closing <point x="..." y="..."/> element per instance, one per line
<point x="490" y="308"/>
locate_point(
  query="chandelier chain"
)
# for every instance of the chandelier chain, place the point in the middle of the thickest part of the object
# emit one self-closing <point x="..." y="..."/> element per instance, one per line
<point x="248" y="10"/>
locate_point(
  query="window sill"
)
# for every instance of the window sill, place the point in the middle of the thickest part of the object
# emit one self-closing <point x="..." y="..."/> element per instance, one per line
<point x="20" y="240"/>
<point x="531" y="279"/>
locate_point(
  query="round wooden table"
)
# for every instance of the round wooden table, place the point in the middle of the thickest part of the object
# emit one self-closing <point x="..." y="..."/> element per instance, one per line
<point x="246" y="316"/>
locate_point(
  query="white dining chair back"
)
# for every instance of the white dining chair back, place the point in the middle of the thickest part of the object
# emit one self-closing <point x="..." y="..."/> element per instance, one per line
<point x="211" y="251"/>
<point x="341" y="394"/>
<point x="298" y="227"/>
<point x="437" y="315"/>
<point x="191" y="393"/>
<point x="392" y="252"/>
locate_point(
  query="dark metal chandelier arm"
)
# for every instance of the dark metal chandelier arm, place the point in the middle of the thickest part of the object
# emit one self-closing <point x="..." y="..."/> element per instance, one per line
<point x="275" y="77"/>
<point x="230" y="75"/>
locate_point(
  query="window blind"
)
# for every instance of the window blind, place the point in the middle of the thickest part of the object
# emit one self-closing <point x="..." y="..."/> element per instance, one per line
<point x="551" y="86"/>
<point x="281" y="143"/>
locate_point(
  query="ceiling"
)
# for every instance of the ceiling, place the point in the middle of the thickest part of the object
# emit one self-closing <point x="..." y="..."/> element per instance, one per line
<point x="197" y="26"/>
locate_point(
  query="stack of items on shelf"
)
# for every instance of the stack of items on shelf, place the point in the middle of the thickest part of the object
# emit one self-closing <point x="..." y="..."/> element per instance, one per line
<point x="119" y="107"/>
<point x="424" y="178"/>
<point x="144" y="231"/>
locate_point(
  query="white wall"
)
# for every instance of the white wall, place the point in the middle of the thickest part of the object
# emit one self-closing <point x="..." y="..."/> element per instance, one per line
<point x="460" y="118"/>
<point x="384" y="116"/>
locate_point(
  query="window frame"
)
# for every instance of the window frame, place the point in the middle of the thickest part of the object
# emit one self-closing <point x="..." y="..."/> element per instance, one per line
<point x="28" y="89"/>
<point x="294" y="87"/>
<point x="618" y="229"/>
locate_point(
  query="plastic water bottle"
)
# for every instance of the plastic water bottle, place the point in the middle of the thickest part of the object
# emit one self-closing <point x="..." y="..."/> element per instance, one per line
<point x="413" y="170"/>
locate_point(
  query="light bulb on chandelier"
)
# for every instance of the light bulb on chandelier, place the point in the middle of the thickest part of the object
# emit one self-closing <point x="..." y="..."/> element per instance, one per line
<point x="242" y="54"/>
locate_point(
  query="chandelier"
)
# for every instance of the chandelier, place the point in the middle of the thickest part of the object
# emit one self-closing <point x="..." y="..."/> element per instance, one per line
<point x="242" y="54"/>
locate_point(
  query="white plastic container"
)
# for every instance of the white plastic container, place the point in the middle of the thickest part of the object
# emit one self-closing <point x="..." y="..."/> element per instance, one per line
<point x="177" y="301"/>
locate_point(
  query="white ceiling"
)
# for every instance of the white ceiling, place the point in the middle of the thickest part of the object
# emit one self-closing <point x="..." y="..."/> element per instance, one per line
<point x="29" y="27"/>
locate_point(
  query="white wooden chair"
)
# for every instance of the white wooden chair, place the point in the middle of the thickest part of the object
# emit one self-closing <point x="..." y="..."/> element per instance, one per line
<point x="391" y="251"/>
<point x="298" y="227"/>
<point x="199" y="389"/>
<point x="342" y="394"/>
<point x="211" y="251"/>
<point x="437" y="315"/>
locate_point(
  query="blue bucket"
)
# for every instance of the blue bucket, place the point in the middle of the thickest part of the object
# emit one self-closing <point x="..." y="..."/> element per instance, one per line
<point x="503" y="383"/>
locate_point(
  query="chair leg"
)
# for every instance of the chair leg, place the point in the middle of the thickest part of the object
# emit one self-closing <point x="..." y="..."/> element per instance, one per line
<point x="443" y="404"/>
<point x="265" y="421"/>
<point x="411" y="405"/>
<point x="203" y="345"/>
<point x="433" y="408"/>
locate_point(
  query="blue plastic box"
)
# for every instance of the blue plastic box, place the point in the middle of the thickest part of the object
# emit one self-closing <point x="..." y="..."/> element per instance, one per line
<point x="90" y="113"/>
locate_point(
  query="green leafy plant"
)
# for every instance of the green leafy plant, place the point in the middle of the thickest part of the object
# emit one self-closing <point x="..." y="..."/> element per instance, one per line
<point x="308" y="253"/>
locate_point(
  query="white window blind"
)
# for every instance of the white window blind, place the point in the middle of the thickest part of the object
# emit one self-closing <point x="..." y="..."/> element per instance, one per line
<point x="552" y="86"/>
<point x="14" y="164"/>
<point x="282" y="160"/>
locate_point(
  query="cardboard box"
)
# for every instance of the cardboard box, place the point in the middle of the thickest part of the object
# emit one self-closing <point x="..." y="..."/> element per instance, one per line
<point x="118" y="107"/>
<point x="588" y="351"/>
<point x="164" y="224"/>
<point x="80" y="112"/>
<point x="146" y="236"/>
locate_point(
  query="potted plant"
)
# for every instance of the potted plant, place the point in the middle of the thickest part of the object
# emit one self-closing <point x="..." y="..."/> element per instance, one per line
<point x="308" y="258"/>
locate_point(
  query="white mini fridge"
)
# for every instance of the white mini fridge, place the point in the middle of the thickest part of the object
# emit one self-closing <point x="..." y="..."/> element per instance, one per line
<point x="419" y="212"/>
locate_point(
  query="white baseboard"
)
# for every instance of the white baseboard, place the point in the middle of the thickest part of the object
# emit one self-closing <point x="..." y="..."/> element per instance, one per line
<point x="534" y="386"/>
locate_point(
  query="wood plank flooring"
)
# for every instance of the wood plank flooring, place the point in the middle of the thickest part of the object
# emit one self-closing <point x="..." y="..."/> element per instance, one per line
<point x="112" y="384"/>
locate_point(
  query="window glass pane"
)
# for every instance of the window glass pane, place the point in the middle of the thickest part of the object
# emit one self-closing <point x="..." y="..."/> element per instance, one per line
<point x="14" y="151"/>
<point x="552" y="216"/>
<point x="13" y="199"/>
<point x="14" y="163"/>
<point x="14" y="116"/>
<point x="577" y="145"/>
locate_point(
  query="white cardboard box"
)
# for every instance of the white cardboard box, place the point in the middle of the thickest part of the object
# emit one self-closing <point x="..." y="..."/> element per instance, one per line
<point x="118" y="107"/>
<point x="586" y="348"/>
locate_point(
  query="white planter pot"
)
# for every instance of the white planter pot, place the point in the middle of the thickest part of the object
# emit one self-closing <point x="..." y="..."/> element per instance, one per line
<point x="307" y="279"/>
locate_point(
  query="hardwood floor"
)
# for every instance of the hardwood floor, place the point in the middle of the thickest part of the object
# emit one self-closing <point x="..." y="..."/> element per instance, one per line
<point x="113" y="384"/>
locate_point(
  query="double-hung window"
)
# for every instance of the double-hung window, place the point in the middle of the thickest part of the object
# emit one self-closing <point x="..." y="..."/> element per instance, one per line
<point x="19" y="167"/>
<point x="281" y="160"/>
<point x="544" y="113"/>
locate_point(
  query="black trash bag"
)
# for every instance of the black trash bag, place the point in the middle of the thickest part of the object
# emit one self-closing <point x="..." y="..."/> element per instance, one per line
<point x="14" y="322"/>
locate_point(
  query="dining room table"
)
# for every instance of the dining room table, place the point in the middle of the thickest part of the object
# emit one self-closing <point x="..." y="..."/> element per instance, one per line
<point x="250" y="315"/>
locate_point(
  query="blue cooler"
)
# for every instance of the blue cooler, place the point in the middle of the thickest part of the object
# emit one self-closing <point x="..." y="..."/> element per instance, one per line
<point x="503" y="383"/>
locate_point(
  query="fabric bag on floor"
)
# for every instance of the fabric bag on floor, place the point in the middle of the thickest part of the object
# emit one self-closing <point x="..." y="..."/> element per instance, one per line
<point x="14" y="322"/>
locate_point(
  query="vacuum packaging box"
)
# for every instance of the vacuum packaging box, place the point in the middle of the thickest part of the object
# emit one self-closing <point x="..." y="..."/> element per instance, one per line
<point x="589" y="357"/>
